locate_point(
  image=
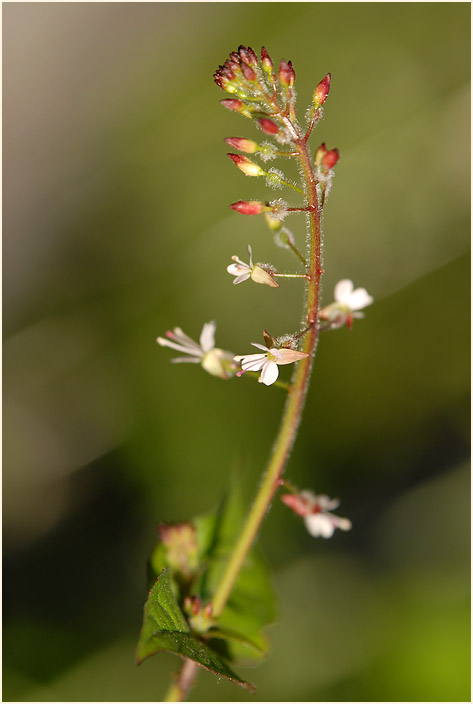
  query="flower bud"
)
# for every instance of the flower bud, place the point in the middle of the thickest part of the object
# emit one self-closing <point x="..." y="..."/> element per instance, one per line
<point x="268" y="65"/>
<point x="248" y="72"/>
<point x="249" y="207"/>
<point x="330" y="158"/>
<point x="286" y="74"/>
<point x="273" y="223"/>
<point x="268" y="126"/>
<point x="236" y="105"/>
<point x="248" y="55"/>
<point x="248" y="167"/>
<point x="244" y="145"/>
<point x="321" y="92"/>
<point x="180" y="544"/>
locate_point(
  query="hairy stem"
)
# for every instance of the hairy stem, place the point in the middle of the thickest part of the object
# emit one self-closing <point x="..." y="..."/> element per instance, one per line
<point x="295" y="401"/>
<point x="183" y="681"/>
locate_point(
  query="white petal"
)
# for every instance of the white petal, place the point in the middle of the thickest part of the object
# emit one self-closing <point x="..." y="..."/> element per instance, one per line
<point x="207" y="336"/>
<point x="260" y="347"/>
<point x="250" y="252"/>
<point x="238" y="269"/>
<point x="253" y="362"/>
<point x="360" y="298"/>
<point x="326" y="503"/>
<point x="241" y="278"/>
<point x="270" y="373"/>
<point x="343" y="291"/>
<point x="192" y="360"/>
<point x="319" y="524"/>
<point x="164" y="342"/>
<point x="184" y="339"/>
<point x="342" y="523"/>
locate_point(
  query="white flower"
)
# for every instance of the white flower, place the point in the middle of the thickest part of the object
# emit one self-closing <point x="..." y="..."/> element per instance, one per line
<point x="268" y="362"/>
<point x="315" y="509"/>
<point x="214" y="360"/>
<point x="256" y="272"/>
<point x="348" y="304"/>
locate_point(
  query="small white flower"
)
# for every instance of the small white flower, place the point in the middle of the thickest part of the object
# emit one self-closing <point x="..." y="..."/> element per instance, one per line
<point x="315" y="509"/>
<point x="214" y="360"/>
<point x="348" y="304"/>
<point x="268" y="362"/>
<point x="256" y="272"/>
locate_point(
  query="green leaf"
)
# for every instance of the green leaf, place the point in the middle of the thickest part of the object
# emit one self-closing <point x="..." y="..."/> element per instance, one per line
<point x="165" y="628"/>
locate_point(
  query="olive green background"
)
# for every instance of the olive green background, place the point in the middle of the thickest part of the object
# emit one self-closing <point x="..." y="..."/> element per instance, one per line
<point x="117" y="228"/>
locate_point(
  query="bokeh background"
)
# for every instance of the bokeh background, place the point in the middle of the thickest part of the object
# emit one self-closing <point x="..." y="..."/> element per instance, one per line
<point x="117" y="227"/>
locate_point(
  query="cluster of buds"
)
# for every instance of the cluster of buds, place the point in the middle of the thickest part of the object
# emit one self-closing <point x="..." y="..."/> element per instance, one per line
<point x="180" y="546"/>
<point x="200" y="617"/>
<point x="255" y="89"/>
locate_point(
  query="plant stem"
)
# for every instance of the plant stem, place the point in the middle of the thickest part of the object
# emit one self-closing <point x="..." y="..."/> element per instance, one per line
<point x="295" y="401"/>
<point x="183" y="681"/>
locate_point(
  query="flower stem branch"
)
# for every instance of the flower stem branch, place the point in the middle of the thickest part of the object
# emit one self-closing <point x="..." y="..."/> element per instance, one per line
<point x="295" y="401"/>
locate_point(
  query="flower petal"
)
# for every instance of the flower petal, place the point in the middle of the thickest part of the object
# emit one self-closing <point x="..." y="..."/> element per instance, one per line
<point x="241" y="278"/>
<point x="253" y="362"/>
<point x="207" y="336"/>
<point x="319" y="524"/>
<point x="250" y="252"/>
<point x="192" y="360"/>
<point x="179" y="336"/>
<point x="193" y="351"/>
<point x="360" y="298"/>
<point x="269" y="373"/>
<point x="260" y="347"/>
<point x="343" y="291"/>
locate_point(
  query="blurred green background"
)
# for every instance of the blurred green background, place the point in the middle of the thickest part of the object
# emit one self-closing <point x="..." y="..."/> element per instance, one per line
<point x="117" y="227"/>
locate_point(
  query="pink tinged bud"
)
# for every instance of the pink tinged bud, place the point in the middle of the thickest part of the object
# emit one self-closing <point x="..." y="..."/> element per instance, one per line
<point x="248" y="72"/>
<point x="330" y="158"/>
<point x="247" y="55"/>
<point x="244" y="145"/>
<point x="297" y="503"/>
<point x="286" y="74"/>
<point x="321" y="92"/>
<point x="266" y="61"/>
<point x="208" y="610"/>
<point x="248" y="207"/>
<point x="232" y="104"/>
<point x="249" y="168"/>
<point x="268" y="126"/>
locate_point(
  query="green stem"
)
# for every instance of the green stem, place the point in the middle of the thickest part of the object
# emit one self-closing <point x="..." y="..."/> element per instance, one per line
<point x="295" y="401"/>
<point x="183" y="681"/>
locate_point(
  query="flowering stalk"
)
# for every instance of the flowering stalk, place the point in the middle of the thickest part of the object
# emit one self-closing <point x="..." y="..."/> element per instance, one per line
<point x="266" y="96"/>
<point x="298" y="390"/>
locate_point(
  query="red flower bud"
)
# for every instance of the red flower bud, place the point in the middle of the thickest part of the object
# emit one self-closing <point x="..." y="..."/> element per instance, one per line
<point x="330" y="158"/>
<point x="322" y="90"/>
<point x="248" y="207"/>
<point x="248" y="167"/>
<point x="248" y="55"/>
<point x="266" y="61"/>
<point x="247" y="72"/>
<point x="286" y="74"/>
<point x="232" y="104"/>
<point x="268" y="126"/>
<point x="244" y="145"/>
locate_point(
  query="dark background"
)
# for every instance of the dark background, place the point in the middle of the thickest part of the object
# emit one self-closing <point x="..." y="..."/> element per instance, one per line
<point x="116" y="228"/>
